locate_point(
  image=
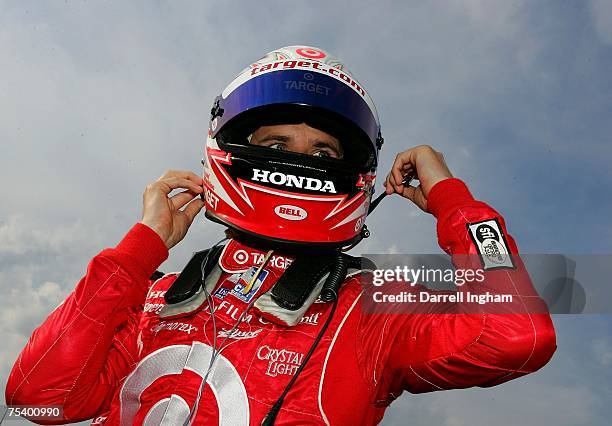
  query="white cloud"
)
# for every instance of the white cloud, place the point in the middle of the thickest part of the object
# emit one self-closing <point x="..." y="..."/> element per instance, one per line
<point x="21" y="236"/>
<point x="39" y="266"/>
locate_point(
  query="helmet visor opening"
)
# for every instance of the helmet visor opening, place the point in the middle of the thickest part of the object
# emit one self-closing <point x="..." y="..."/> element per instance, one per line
<point x="357" y="152"/>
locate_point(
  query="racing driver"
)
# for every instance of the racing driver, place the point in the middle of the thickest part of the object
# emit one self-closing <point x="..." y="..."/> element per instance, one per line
<point x="268" y="325"/>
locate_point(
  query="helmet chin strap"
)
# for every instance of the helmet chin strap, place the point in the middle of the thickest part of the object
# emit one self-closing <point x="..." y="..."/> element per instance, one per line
<point x="365" y="232"/>
<point x="409" y="177"/>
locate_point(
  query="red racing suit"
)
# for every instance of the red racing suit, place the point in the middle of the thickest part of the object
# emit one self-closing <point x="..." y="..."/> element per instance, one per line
<point x="104" y="353"/>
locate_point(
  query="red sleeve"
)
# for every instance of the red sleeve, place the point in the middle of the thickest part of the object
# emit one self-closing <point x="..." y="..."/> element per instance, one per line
<point x="453" y="348"/>
<point x="80" y="353"/>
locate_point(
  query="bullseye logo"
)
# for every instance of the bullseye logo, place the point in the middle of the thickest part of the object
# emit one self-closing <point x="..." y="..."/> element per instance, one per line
<point x="224" y="381"/>
<point x="241" y="257"/>
<point x="310" y="53"/>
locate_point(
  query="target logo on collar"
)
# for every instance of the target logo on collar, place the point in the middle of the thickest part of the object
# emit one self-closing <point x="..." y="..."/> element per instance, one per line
<point x="310" y="53"/>
<point x="241" y="257"/>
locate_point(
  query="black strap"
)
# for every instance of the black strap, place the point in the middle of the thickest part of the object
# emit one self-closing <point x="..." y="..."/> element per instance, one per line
<point x="190" y="279"/>
<point x="156" y="275"/>
<point x="300" y="279"/>
<point x="290" y="292"/>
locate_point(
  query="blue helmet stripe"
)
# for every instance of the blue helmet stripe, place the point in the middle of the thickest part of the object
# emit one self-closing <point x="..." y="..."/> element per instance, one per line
<point x="300" y="87"/>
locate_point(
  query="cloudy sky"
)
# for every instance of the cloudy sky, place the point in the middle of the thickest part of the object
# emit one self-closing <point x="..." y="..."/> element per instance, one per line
<point x="99" y="98"/>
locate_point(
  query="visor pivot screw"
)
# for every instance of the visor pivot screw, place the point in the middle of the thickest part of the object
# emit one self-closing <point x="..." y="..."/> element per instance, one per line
<point x="379" y="141"/>
<point x="216" y="110"/>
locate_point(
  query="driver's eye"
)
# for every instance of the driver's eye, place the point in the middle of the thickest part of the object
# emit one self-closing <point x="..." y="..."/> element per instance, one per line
<point x="277" y="146"/>
<point x="321" y="154"/>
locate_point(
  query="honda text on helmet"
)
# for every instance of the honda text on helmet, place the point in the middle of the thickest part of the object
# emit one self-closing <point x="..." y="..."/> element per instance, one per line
<point x="286" y="197"/>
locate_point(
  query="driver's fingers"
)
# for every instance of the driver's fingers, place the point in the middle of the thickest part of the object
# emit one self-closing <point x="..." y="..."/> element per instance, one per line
<point x="408" y="170"/>
<point x="185" y="174"/>
<point x="168" y="184"/>
<point x="399" y="168"/>
<point x="390" y="184"/>
<point x="193" y="208"/>
<point x="179" y="200"/>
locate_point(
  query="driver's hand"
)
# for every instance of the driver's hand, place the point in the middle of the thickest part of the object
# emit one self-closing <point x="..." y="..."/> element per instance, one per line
<point x="170" y="217"/>
<point x="425" y="164"/>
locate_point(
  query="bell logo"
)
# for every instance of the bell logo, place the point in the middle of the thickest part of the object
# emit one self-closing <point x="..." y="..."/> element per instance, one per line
<point x="290" y="212"/>
<point x="278" y="178"/>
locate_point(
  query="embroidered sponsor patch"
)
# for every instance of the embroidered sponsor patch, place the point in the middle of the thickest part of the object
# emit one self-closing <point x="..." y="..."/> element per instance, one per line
<point x="227" y="286"/>
<point x="491" y="244"/>
<point x="175" y="326"/>
<point x="237" y="258"/>
<point x="153" y="307"/>
<point x="221" y="292"/>
<point x="311" y="319"/>
<point x="242" y="290"/>
<point x="280" y="360"/>
<point x="239" y="334"/>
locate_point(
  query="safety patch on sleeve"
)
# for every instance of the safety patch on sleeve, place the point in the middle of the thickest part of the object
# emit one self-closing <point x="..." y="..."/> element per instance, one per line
<point x="491" y="244"/>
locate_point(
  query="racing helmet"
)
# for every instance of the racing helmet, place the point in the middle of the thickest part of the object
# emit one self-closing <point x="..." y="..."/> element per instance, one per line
<point x="285" y="197"/>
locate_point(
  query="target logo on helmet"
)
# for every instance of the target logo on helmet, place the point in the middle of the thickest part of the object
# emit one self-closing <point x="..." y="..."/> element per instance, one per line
<point x="311" y="53"/>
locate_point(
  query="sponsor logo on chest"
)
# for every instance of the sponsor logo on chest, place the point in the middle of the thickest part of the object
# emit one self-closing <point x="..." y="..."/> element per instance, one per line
<point x="245" y="288"/>
<point x="242" y="257"/>
<point x="175" y="326"/>
<point x="231" y="313"/>
<point x="280" y="361"/>
<point x="152" y="296"/>
<point x="311" y="319"/>
<point x="239" y="334"/>
<point x="156" y="294"/>
<point x="153" y="307"/>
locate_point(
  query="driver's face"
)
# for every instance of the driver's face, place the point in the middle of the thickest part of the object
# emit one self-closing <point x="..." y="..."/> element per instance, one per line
<point x="299" y="138"/>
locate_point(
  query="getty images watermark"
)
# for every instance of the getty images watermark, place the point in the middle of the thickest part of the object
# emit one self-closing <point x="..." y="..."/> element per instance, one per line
<point x="435" y="284"/>
<point x="405" y="276"/>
